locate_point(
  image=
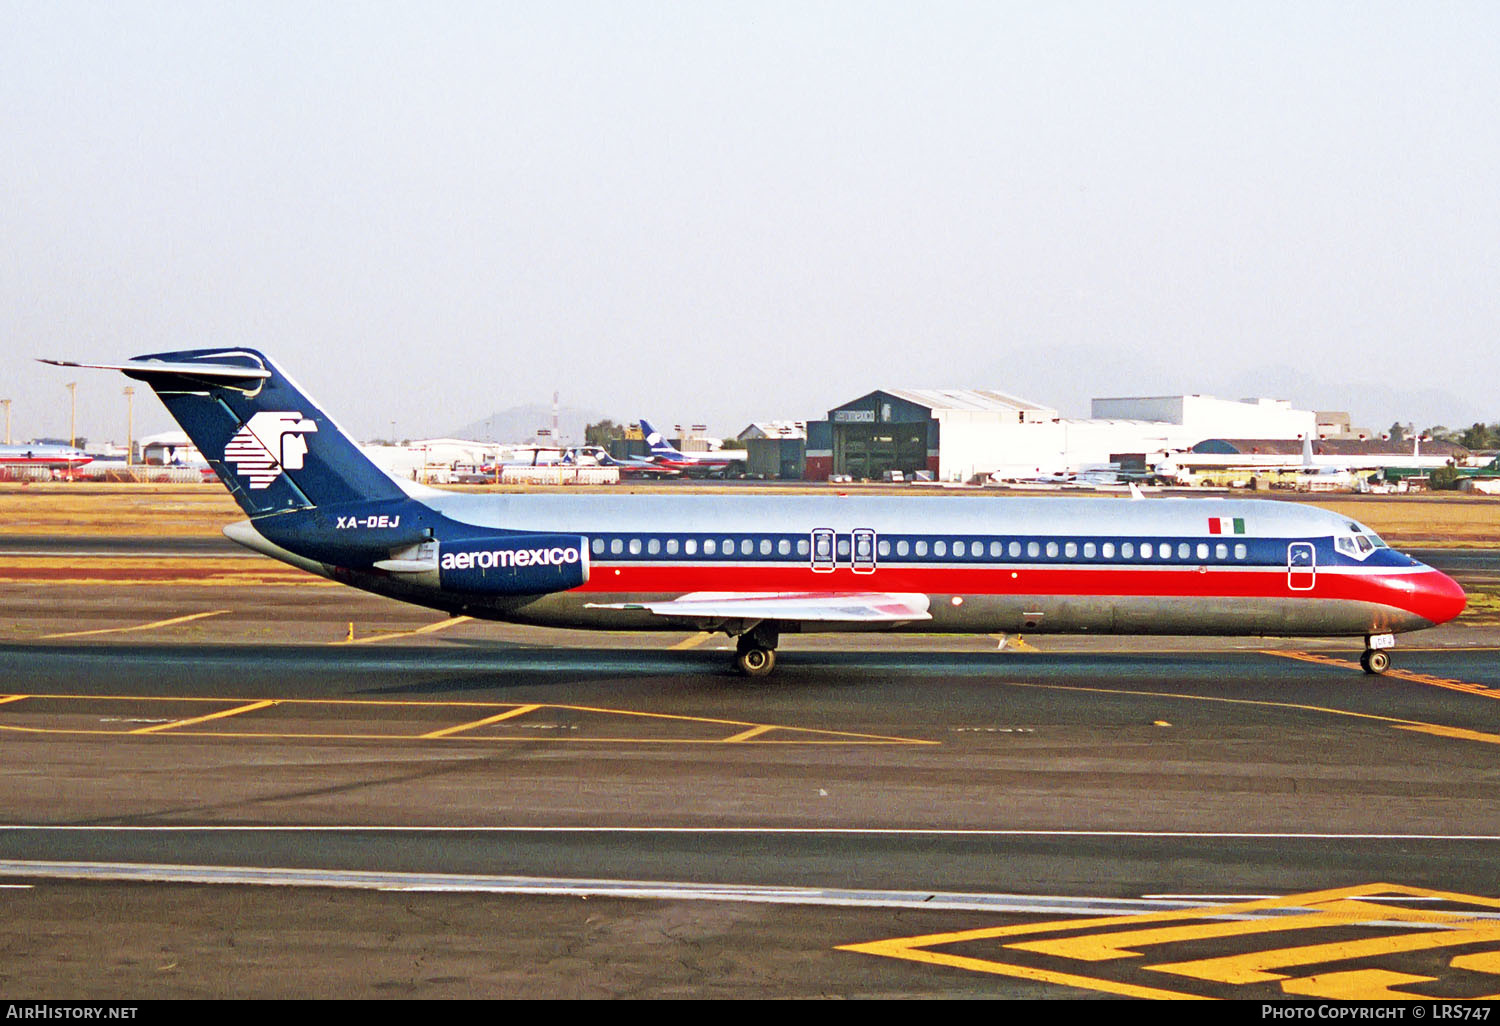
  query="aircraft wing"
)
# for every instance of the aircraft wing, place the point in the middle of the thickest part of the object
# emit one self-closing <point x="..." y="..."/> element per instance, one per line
<point x="854" y="607"/>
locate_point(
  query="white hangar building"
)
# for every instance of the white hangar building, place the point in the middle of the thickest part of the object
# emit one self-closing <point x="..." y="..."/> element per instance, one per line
<point x="963" y="434"/>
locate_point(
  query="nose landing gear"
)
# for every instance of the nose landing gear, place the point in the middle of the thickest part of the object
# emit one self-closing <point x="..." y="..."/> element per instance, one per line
<point x="1376" y="658"/>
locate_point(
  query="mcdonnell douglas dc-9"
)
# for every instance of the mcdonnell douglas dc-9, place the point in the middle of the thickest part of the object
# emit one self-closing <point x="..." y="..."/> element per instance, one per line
<point x="759" y="566"/>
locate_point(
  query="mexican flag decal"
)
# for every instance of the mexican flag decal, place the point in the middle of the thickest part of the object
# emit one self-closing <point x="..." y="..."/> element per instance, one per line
<point x="1226" y="525"/>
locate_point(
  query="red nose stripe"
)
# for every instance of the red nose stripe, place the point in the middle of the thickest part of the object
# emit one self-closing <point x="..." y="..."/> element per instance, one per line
<point x="1433" y="596"/>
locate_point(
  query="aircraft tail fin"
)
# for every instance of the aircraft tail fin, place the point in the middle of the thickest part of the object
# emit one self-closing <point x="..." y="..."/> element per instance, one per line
<point x="656" y="441"/>
<point x="272" y="446"/>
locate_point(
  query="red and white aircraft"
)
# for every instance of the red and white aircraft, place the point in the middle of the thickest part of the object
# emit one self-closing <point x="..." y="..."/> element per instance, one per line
<point x="692" y="464"/>
<point x="47" y="457"/>
<point x="758" y="566"/>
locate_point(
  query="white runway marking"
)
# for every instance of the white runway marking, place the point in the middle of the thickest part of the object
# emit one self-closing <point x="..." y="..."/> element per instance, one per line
<point x="751" y="831"/>
<point x="653" y="889"/>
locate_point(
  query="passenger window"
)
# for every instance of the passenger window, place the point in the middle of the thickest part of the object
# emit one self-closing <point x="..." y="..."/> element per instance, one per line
<point x="939" y="548"/>
<point x="784" y="547"/>
<point x="1184" y="550"/>
<point x="884" y="548"/>
<point x="1052" y="550"/>
<point x="921" y="548"/>
<point x="616" y="546"/>
<point x="1014" y="549"/>
<point x="671" y="546"/>
<point x="1240" y="552"/>
<point x="635" y="546"/>
<point x="765" y="546"/>
<point x="958" y="549"/>
<point x="843" y="547"/>
<point x="1108" y="550"/>
<point x="1088" y="550"/>
<point x="710" y="547"/>
<point x="902" y="548"/>
<point x="728" y="546"/>
<point x="1221" y="551"/>
<point x="802" y="547"/>
<point x="1127" y="550"/>
<point x="1070" y="550"/>
<point x="597" y="546"/>
<point x="995" y="550"/>
<point x="1033" y="550"/>
<point x="1202" y="551"/>
<point x="653" y="546"/>
<point x="1145" y="550"/>
<point x="690" y="546"/>
<point x="746" y="546"/>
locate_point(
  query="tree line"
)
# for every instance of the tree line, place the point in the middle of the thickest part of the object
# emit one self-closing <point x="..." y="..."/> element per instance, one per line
<point x="1475" y="437"/>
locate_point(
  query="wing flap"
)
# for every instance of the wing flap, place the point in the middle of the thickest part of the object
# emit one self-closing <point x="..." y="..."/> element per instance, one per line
<point x="851" y="607"/>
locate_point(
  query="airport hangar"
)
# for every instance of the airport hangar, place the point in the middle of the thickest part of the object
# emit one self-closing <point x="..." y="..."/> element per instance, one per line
<point x="966" y="434"/>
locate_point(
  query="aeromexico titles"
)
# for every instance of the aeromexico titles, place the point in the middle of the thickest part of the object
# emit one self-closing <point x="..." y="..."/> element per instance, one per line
<point x="758" y="566"/>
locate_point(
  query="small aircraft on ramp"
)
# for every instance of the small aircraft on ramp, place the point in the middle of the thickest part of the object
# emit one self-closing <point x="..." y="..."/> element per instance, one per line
<point x="758" y="566"/>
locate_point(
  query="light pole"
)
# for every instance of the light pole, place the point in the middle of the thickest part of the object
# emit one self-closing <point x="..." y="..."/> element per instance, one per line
<point x="6" y="404"/>
<point x="73" y="417"/>
<point x="129" y="426"/>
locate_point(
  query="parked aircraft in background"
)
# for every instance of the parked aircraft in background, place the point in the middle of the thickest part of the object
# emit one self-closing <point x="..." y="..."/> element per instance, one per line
<point x="597" y="455"/>
<point x="758" y="566"/>
<point x="46" y="457"/>
<point x="693" y="464"/>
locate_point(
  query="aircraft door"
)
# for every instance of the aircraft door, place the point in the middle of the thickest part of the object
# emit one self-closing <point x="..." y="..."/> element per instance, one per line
<point x="862" y="561"/>
<point x="1301" y="566"/>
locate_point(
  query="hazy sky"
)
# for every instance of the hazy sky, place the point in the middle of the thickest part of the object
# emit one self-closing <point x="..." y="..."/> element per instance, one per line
<point x="720" y="212"/>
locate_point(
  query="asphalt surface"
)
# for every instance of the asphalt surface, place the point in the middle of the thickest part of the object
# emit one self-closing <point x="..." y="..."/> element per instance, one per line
<point x="210" y="791"/>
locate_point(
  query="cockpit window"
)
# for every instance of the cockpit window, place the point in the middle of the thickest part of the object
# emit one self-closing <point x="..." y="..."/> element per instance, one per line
<point x="1366" y="539"/>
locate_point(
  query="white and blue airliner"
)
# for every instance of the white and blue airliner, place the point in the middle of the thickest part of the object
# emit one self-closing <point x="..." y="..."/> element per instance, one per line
<point x="758" y="566"/>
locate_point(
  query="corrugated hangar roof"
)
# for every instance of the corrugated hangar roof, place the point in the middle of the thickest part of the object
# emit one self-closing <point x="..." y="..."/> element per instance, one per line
<point x="964" y="399"/>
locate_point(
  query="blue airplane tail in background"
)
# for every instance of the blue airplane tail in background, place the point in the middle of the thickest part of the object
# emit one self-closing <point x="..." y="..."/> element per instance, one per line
<point x="271" y="445"/>
<point x="657" y="442"/>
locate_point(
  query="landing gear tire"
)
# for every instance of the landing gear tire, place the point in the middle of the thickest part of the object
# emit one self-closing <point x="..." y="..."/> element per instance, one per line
<point x="755" y="661"/>
<point x="1374" y="662"/>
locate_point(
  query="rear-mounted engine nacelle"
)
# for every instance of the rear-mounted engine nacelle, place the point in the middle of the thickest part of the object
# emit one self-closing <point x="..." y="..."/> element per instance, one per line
<point x="514" y="564"/>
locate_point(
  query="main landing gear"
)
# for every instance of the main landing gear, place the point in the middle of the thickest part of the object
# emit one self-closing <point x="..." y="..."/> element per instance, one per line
<point x="1376" y="658"/>
<point x="756" y="651"/>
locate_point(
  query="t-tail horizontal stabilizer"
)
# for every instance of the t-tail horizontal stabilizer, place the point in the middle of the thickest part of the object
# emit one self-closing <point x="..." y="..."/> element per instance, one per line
<point x="270" y="444"/>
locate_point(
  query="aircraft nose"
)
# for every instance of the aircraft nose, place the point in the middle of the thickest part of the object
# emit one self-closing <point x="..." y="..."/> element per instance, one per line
<point x="1436" y="597"/>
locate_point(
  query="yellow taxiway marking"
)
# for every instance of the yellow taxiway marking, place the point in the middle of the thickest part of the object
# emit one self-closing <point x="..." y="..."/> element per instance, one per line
<point x="11" y="698"/>
<point x="742" y="730"/>
<point x="1426" y="728"/>
<point x="1115" y="949"/>
<point x="1417" y="678"/>
<point x="221" y="714"/>
<point x="521" y="710"/>
<point x="138" y="627"/>
<point x="441" y="625"/>
<point x="693" y="642"/>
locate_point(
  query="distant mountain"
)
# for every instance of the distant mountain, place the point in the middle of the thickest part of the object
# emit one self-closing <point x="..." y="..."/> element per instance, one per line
<point x="520" y="424"/>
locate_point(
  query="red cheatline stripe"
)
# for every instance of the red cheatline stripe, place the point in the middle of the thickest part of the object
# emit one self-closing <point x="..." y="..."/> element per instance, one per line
<point x="1175" y="582"/>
